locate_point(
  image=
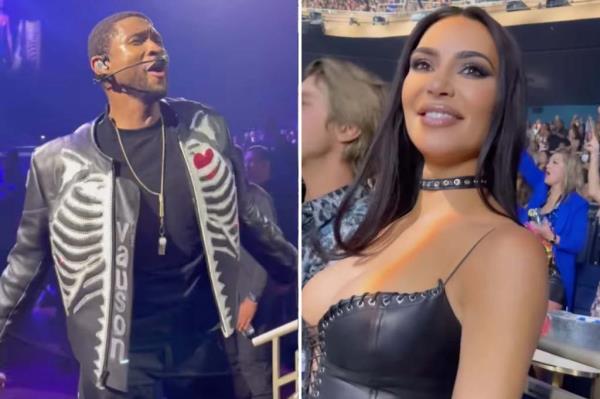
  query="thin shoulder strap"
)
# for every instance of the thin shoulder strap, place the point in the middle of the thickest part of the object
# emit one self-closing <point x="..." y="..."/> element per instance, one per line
<point x="467" y="255"/>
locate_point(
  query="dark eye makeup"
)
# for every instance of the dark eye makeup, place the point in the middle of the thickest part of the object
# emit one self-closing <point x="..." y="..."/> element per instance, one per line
<point x="471" y="69"/>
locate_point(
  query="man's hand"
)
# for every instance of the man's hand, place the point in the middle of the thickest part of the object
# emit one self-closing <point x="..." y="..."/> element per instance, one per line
<point x="246" y="314"/>
<point x="2" y="381"/>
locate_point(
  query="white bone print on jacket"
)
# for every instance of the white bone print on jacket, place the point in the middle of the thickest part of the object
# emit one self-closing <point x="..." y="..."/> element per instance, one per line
<point x="81" y="241"/>
<point x="214" y="184"/>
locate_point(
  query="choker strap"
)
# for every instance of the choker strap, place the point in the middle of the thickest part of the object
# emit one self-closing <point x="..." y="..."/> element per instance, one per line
<point x="452" y="183"/>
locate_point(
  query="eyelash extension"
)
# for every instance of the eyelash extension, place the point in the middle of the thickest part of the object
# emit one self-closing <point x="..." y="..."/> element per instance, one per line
<point x="479" y="71"/>
<point x="414" y="64"/>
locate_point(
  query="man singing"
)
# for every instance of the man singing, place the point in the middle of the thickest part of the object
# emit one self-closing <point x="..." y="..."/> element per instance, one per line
<point x="142" y="212"/>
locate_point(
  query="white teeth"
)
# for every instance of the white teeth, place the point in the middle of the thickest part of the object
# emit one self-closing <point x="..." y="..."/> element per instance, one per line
<point x="439" y="115"/>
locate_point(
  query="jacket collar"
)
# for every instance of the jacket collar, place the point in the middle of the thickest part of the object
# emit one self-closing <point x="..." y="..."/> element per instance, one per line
<point x="85" y="135"/>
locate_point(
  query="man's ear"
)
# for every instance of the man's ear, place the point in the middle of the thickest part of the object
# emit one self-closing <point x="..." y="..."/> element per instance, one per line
<point x="346" y="133"/>
<point x="100" y="65"/>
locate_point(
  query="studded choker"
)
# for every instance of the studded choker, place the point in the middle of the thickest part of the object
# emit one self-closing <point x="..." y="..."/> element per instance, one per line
<point x="452" y="183"/>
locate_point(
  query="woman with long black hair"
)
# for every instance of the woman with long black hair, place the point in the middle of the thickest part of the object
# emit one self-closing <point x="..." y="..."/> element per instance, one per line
<point x="443" y="293"/>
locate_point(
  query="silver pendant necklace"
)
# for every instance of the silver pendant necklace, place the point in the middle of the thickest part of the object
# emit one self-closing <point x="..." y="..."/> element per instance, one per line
<point x="162" y="239"/>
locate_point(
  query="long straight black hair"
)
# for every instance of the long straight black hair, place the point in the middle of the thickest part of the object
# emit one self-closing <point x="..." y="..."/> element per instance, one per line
<point x="396" y="165"/>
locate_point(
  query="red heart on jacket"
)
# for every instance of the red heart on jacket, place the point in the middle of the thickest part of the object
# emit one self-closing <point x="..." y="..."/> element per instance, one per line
<point x="201" y="160"/>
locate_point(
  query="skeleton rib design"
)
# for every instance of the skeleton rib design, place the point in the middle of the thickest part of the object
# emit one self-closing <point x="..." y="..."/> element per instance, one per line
<point x="215" y="189"/>
<point x="80" y="243"/>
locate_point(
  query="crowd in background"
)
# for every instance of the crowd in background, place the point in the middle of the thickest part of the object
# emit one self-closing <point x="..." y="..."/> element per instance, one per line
<point x="20" y="39"/>
<point x="350" y="5"/>
<point x="554" y="198"/>
<point x="266" y="137"/>
<point x="547" y="137"/>
<point x="375" y="5"/>
<point x="271" y="161"/>
<point x="558" y="181"/>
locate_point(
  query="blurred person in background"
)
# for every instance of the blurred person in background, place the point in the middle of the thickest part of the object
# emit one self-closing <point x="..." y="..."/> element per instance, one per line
<point x="273" y="171"/>
<point x="575" y="139"/>
<point x="559" y="126"/>
<point x="541" y="159"/>
<point x="342" y="104"/>
<point x="558" y="215"/>
<point x="592" y="146"/>
<point x="258" y="166"/>
<point x="6" y="41"/>
<point x="557" y="138"/>
<point x="251" y="366"/>
<point x="542" y="137"/>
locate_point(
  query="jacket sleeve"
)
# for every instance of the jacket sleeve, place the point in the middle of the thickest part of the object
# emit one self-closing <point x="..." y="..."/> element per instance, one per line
<point x="27" y="256"/>
<point x="252" y="279"/>
<point x="260" y="236"/>
<point x="574" y="235"/>
<point x="534" y="178"/>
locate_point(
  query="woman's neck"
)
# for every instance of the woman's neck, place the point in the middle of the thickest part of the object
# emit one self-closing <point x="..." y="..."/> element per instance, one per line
<point x="455" y="201"/>
<point x="556" y="193"/>
<point x="442" y="171"/>
<point x="458" y="202"/>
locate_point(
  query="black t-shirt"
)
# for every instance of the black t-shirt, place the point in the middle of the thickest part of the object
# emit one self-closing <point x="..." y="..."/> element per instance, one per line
<point x="171" y="292"/>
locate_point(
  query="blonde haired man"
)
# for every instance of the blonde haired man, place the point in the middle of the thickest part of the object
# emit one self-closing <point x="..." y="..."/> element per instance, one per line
<point x="341" y="108"/>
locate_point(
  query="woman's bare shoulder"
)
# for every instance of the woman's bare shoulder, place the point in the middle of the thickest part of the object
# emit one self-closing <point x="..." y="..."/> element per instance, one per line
<point x="510" y="261"/>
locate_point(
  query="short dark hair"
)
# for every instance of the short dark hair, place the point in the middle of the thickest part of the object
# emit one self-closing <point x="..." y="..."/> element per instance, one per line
<point x="398" y="165"/>
<point x="100" y="36"/>
<point x="263" y="152"/>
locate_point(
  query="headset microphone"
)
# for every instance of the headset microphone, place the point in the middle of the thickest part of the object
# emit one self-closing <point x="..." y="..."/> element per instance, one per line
<point x="161" y="60"/>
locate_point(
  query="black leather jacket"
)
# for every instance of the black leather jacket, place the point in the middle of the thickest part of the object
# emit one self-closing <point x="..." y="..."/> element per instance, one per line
<point x="83" y="217"/>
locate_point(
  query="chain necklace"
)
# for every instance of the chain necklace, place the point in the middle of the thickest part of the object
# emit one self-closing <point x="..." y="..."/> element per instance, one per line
<point x="162" y="239"/>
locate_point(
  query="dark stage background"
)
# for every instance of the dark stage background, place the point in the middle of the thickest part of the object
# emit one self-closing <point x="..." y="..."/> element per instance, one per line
<point x="238" y="56"/>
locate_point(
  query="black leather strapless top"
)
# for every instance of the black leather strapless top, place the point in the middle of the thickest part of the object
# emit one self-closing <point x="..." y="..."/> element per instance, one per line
<point x="387" y="345"/>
